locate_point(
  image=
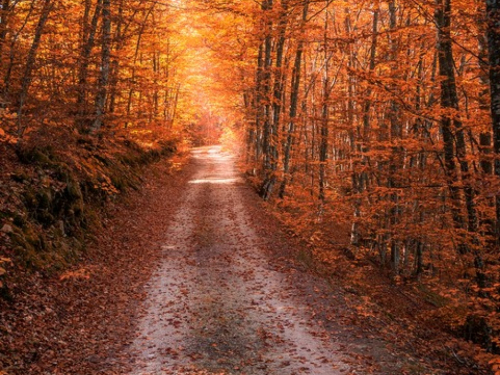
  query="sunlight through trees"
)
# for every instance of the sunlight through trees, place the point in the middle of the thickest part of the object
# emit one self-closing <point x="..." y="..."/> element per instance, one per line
<point x="371" y="124"/>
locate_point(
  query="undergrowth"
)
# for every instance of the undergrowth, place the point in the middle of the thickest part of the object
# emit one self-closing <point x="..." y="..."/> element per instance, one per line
<point x="54" y="188"/>
<point x="419" y="310"/>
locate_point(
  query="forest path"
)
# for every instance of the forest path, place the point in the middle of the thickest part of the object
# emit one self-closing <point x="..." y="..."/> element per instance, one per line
<point x="191" y="275"/>
<point x="219" y="302"/>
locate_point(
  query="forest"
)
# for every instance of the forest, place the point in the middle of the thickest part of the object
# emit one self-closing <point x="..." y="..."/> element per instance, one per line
<point x="370" y="128"/>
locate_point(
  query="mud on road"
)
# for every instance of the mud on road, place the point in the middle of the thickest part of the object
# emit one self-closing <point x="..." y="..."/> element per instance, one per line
<point x="216" y="304"/>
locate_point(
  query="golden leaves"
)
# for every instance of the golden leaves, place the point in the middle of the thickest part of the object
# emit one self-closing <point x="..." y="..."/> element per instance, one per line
<point x="81" y="273"/>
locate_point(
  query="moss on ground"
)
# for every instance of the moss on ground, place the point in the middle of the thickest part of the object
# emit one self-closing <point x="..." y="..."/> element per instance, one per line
<point x="59" y="192"/>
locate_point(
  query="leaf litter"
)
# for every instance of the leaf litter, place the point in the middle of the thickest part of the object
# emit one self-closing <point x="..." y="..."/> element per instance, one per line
<point x="192" y="276"/>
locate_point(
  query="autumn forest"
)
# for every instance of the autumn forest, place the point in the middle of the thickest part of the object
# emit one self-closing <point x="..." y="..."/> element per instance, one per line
<point x="370" y="130"/>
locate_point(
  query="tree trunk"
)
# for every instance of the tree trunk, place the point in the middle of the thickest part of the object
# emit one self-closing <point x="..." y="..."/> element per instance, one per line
<point x="271" y="131"/>
<point x="5" y="13"/>
<point x="397" y="151"/>
<point x="267" y="6"/>
<point x="136" y="55"/>
<point x="325" y="115"/>
<point x="100" y="101"/>
<point x="12" y="54"/>
<point x="449" y="101"/>
<point x="30" y="62"/>
<point x="294" y="101"/>
<point x="88" y="43"/>
<point x="176" y="100"/>
<point x="254" y="132"/>
<point x="493" y="17"/>
<point x="115" y="64"/>
<point x="360" y="180"/>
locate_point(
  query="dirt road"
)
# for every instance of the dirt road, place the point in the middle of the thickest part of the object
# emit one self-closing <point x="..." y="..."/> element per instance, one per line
<point x="190" y="275"/>
<point x="216" y="304"/>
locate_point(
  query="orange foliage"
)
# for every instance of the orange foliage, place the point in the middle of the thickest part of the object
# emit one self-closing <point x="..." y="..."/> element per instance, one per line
<point x="340" y="107"/>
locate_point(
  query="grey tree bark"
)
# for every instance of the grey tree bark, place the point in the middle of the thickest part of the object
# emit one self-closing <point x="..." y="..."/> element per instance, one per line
<point x="294" y="102"/>
<point x="30" y="62"/>
<point x="493" y="18"/>
<point x="100" y="101"/>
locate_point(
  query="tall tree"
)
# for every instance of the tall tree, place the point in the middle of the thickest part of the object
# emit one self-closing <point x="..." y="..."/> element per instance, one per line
<point x="294" y="101"/>
<point x="100" y="101"/>
<point x="88" y="42"/>
<point x="493" y="19"/>
<point x="30" y="62"/>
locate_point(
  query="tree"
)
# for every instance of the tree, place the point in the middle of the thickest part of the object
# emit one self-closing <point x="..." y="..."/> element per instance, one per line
<point x="30" y="61"/>
<point x="100" y="101"/>
<point x="493" y="19"/>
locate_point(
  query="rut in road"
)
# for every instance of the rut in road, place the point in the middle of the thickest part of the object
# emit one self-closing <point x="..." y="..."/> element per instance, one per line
<point x="215" y="305"/>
